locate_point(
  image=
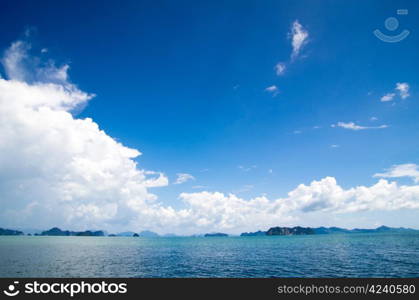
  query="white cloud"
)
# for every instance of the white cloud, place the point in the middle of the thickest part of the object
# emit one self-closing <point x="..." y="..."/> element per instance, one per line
<point x="403" y="89"/>
<point x="20" y="66"/>
<point x="403" y="170"/>
<point x="280" y="68"/>
<point x="388" y="97"/>
<point x="217" y="211"/>
<point x="57" y="170"/>
<point x="247" y="169"/>
<point x="299" y="37"/>
<point x="334" y="146"/>
<point x="353" y="126"/>
<point x="157" y="181"/>
<point x="14" y="59"/>
<point x="183" y="177"/>
<point x="273" y="89"/>
<point x="373" y="119"/>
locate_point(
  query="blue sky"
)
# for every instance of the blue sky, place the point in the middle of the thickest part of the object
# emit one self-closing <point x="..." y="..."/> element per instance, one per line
<point x="185" y="82"/>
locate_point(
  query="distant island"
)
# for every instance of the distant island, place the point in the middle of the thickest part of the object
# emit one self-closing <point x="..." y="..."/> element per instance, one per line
<point x="324" y="230"/>
<point x="282" y="231"/>
<point x="58" y="232"/>
<point x="10" y="232"/>
<point x="217" y="234"/>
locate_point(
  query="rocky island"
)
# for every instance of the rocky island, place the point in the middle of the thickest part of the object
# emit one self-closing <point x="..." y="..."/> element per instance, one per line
<point x="10" y="232"/>
<point x="290" y="231"/>
<point x="58" y="232"/>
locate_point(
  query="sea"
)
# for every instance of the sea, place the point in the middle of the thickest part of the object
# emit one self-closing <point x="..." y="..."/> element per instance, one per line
<point x="333" y="255"/>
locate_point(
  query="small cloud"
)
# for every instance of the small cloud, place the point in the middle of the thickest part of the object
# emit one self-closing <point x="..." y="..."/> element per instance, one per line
<point x="273" y="89"/>
<point x="247" y="169"/>
<point x="334" y="146"/>
<point x="280" y="68"/>
<point x="353" y="126"/>
<point x="388" y="97"/>
<point x="316" y="127"/>
<point x="403" y="170"/>
<point x="44" y="50"/>
<point x="183" y="177"/>
<point x="373" y="119"/>
<point x="299" y="38"/>
<point x="236" y="87"/>
<point x="297" y="132"/>
<point x="403" y="89"/>
<point x="270" y="171"/>
<point x="156" y="181"/>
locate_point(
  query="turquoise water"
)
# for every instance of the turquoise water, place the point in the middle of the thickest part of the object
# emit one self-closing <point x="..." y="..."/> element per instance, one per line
<point x="348" y="255"/>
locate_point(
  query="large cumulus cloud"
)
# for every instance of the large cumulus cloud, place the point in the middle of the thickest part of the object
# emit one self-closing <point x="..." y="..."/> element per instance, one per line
<point x="55" y="168"/>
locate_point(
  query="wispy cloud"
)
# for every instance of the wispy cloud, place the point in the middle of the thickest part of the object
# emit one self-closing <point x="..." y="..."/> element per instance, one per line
<point x="21" y="66"/>
<point x="388" y="97"/>
<point x="247" y="169"/>
<point x="280" y="68"/>
<point x="403" y="170"/>
<point x="273" y="89"/>
<point x="403" y="89"/>
<point x="353" y="126"/>
<point x="299" y="38"/>
<point x="183" y="177"/>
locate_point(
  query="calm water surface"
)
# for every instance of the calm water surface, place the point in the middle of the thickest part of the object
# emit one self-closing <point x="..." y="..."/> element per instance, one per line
<point x="348" y="255"/>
